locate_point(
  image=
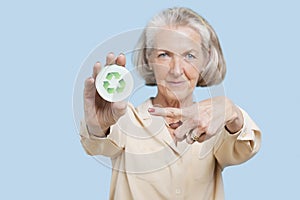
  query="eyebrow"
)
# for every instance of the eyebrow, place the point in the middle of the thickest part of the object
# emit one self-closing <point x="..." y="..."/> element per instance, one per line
<point x="191" y="50"/>
<point x="185" y="52"/>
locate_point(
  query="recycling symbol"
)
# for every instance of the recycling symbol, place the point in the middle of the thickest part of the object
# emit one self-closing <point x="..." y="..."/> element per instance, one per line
<point x="114" y="83"/>
<point x="110" y="84"/>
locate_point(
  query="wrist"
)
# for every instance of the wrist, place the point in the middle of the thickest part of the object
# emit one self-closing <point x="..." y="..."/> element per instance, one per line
<point x="97" y="131"/>
<point x="236" y="122"/>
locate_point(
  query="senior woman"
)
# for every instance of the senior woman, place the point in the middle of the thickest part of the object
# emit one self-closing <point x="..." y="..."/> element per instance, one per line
<point x="170" y="147"/>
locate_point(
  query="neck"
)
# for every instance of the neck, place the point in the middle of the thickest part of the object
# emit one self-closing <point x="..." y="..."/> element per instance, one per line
<point x="163" y="101"/>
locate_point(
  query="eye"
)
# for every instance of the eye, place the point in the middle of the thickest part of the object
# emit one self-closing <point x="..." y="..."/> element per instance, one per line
<point x="163" y="55"/>
<point x="190" y="56"/>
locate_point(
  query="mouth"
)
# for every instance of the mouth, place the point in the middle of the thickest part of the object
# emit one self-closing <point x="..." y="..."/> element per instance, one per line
<point x="175" y="83"/>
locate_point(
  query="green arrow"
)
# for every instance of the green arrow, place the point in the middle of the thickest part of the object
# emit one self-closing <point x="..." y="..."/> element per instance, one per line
<point x="116" y="75"/>
<point x="105" y="84"/>
<point x="109" y="76"/>
<point x="121" y="86"/>
<point x="110" y="90"/>
<point x="122" y="83"/>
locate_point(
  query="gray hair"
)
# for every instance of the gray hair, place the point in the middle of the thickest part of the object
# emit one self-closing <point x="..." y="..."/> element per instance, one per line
<point x="215" y="69"/>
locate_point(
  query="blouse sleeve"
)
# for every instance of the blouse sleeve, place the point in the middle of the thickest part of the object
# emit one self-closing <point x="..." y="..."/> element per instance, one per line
<point x="106" y="146"/>
<point x="233" y="149"/>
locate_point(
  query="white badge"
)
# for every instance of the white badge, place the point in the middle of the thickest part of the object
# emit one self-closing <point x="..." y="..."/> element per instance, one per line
<point x="114" y="83"/>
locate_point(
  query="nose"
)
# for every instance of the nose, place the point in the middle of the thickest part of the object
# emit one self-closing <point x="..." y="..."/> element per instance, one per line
<point x="176" y="68"/>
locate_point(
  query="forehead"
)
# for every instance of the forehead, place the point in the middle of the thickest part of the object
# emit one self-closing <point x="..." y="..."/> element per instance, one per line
<point x="177" y="39"/>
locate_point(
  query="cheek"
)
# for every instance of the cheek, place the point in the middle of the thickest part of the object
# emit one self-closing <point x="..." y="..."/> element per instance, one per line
<point x="160" y="71"/>
<point x="192" y="74"/>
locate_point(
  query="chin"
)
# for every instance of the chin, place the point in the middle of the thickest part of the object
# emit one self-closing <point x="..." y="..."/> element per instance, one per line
<point x="179" y="95"/>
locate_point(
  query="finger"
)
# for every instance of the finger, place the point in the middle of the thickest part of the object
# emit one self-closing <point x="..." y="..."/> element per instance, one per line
<point x="175" y="125"/>
<point x="96" y="69"/>
<point x="174" y="113"/>
<point x="110" y="59"/>
<point x="91" y="96"/>
<point x="202" y="138"/>
<point x="121" y="60"/>
<point x="182" y="131"/>
<point x="89" y="99"/>
<point x="189" y="139"/>
<point x="89" y="88"/>
<point x="194" y="136"/>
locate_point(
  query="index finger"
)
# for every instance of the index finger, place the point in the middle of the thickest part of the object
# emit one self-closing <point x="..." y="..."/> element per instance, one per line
<point x="166" y="112"/>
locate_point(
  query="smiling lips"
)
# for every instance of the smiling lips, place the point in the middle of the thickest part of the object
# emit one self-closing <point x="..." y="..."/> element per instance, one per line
<point x="175" y="83"/>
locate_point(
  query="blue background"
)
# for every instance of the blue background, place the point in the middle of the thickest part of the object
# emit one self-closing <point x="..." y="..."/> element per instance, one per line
<point x="44" y="43"/>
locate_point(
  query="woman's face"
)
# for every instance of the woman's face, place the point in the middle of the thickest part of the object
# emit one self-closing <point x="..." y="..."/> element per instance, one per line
<point x="177" y="60"/>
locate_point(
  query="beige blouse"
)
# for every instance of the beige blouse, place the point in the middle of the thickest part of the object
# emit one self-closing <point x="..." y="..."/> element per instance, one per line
<point x="147" y="164"/>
